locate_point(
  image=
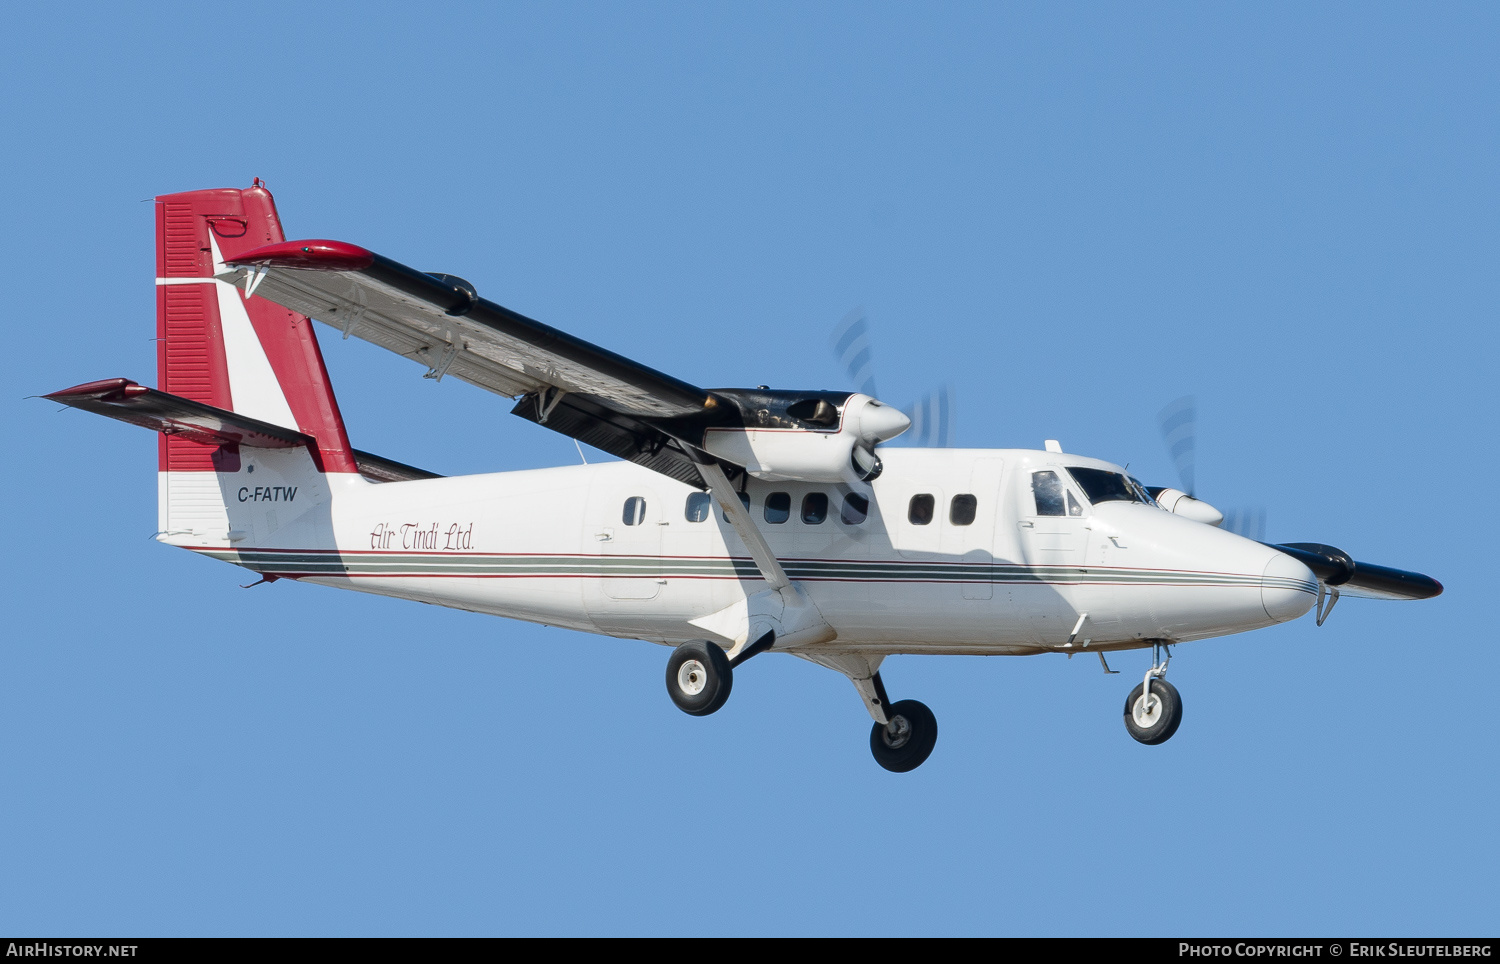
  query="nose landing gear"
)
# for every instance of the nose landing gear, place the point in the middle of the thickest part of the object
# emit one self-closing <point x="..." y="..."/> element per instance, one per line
<point x="1153" y="709"/>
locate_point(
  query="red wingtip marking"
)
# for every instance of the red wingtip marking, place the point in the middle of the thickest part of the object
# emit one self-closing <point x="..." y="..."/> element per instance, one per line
<point x="105" y="386"/>
<point x="314" y="255"/>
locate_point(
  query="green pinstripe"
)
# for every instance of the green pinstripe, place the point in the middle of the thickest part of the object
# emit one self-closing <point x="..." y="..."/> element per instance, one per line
<point x="329" y="562"/>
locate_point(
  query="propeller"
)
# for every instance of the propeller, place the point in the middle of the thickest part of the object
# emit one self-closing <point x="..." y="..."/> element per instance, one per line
<point x="932" y="414"/>
<point x="1179" y="430"/>
<point x="1250" y="523"/>
<point x="1336" y="571"/>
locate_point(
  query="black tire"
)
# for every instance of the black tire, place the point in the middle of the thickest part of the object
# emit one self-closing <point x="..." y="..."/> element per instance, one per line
<point x="912" y="744"/>
<point x="1163" y="723"/>
<point x="699" y="678"/>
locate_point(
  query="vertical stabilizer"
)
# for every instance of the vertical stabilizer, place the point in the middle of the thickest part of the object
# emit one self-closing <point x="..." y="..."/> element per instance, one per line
<point x="214" y="346"/>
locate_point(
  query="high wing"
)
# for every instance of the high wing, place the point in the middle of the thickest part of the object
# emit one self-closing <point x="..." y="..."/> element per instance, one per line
<point x="565" y="383"/>
<point x="442" y="322"/>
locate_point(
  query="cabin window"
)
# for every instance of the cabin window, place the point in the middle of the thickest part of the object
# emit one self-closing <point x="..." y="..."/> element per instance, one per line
<point x="856" y="509"/>
<point x="1073" y="507"/>
<point x="920" y="510"/>
<point x="961" y="510"/>
<point x="1048" y="491"/>
<point x="1101" y="486"/>
<point x="814" y="508"/>
<point x="778" y="508"/>
<point x="699" y="506"/>
<point x="635" y="511"/>
<point x="744" y="500"/>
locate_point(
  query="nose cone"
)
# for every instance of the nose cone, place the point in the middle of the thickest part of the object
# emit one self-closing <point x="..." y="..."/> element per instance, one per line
<point x="878" y="422"/>
<point x="1288" y="589"/>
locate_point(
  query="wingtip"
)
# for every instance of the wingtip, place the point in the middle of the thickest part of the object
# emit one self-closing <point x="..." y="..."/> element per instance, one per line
<point x="105" y="386"/>
<point x="310" y="255"/>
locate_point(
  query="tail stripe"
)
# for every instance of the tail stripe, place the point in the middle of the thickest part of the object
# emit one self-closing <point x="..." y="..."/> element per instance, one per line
<point x="253" y="385"/>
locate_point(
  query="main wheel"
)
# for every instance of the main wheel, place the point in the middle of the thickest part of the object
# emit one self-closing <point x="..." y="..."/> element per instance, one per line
<point x="908" y="740"/>
<point x="699" y="678"/>
<point x="1154" y="721"/>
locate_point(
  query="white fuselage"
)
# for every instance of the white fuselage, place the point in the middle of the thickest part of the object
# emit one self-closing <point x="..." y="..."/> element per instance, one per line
<point x="567" y="547"/>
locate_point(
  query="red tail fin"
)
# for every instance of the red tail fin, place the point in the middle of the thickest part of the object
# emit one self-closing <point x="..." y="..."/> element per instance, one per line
<point x="251" y="357"/>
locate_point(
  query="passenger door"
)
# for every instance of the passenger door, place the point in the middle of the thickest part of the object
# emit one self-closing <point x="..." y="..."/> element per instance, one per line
<point x="628" y="540"/>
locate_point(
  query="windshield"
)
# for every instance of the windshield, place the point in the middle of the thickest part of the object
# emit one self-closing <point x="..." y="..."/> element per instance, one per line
<point x="1142" y="491"/>
<point x="1101" y="486"/>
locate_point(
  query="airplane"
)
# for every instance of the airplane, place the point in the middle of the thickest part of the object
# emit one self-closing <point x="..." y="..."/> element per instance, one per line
<point x="736" y="522"/>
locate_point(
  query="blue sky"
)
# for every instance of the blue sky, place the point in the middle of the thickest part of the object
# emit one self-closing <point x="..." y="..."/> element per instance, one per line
<point x="1073" y="214"/>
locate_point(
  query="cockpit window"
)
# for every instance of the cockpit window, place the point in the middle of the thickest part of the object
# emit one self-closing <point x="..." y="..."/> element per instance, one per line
<point x="1101" y="486"/>
<point x="1073" y="507"/>
<point x="1048" y="490"/>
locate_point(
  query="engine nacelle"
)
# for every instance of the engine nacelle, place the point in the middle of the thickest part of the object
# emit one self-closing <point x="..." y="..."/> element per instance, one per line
<point x="826" y="444"/>
<point x="1180" y="503"/>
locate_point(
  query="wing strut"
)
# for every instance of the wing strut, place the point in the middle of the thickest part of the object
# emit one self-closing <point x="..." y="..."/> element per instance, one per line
<point x="739" y="517"/>
<point x="781" y="614"/>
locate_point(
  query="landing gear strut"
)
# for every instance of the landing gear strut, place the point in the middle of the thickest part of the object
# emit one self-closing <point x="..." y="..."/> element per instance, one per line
<point x="699" y="677"/>
<point x="1153" y="709"/>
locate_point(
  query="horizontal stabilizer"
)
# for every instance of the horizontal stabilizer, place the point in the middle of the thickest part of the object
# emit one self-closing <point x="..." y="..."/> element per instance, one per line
<point x="123" y="399"/>
<point x="378" y="469"/>
<point x="1334" y="567"/>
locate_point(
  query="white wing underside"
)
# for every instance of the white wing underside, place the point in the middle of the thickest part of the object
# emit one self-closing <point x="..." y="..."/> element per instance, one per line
<point x="366" y="308"/>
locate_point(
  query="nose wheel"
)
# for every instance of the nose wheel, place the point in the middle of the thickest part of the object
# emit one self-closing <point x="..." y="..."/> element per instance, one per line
<point x="699" y="678"/>
<point x="1153" y="709"/>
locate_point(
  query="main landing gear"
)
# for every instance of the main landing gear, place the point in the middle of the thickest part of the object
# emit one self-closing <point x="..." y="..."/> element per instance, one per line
<point x="907" y="740"/>
<point x="1153" y="709"/>
<point x="700" y="675"/>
